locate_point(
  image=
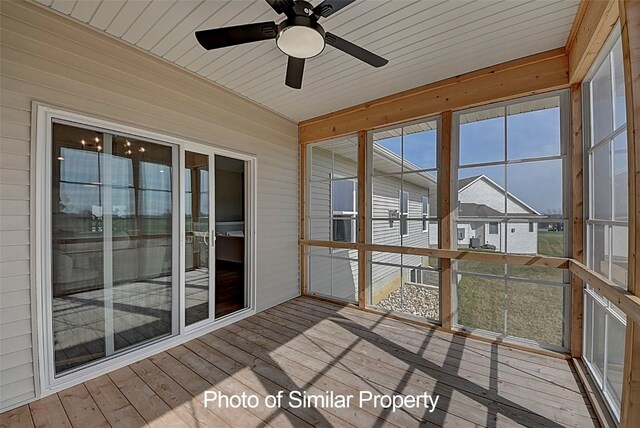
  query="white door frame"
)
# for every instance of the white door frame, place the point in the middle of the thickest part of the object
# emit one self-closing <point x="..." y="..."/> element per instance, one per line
<point x="47" y="383"/>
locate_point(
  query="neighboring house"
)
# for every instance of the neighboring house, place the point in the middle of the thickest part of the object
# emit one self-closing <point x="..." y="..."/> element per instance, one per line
<point x="400" y="209"/>
<point x="481" y="207"/>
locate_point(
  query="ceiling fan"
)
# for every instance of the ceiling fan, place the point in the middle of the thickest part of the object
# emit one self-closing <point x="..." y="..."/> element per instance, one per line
<point x="299" y="35"/>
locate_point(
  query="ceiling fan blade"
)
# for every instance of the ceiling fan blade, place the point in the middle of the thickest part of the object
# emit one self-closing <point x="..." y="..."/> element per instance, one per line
<point x="237" y="35"/>
<point x="295" y="68"/>
<point x="329" y="7"/>
<point x="281" y="6"/>
<point x="355" y="51"/>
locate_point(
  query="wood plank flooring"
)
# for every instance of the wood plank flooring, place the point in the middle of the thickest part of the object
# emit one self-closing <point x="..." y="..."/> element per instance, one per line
<point x="314" y="346"/>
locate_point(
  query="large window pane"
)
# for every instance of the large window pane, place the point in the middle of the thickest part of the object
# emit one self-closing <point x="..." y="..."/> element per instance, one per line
<point x="615" y="358"/>
<point x="419" y="146"/>
<point x="601" y="183"/>
<point x="482" y="136"/>
<point x="620" y="178"/>
<point x="601" y="103"/>
<point x="597" y="338"/>
<point x="536" y="312"/>
<point x="112" y="244"/>
<point x="533" y="129"/>
<point x="546" y="200"/>
<point x="483" y="189"/>
<point x="600" y="250"/>
<point x="333" y="273"/>
<point x="387" y="152"/>
<point x="620" y="255"/>
<point x="332" y="190"/>
<point x="197" y="227"/>
<point x="386" y="232"/>
<point x="481" y="302"/>
<point x="409" y="286"/>
<point x="511" y="199"/>
<point x="619" y="103"/>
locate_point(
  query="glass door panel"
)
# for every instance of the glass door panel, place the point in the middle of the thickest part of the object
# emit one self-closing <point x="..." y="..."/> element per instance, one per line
<point x="197" y="239"/>
<point x="230" y="230"/>
<point x="112" y="244"/>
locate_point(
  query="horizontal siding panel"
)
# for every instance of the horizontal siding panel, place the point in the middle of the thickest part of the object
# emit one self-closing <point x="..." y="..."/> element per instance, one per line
<point x="14" y="283"/>
<point x="10" y="253"/>
<point x="14" y="192"/>
<point x="17" y="373"/>
<point x="144" y="116"/>
<point x="11" y="161"/>
<point x="76" y="83"/>
<point x="16" y="328"/>
<point x="86" y="72"/>
<point x="14" y="222"/>
<point x="19" y="399"/>
<point x="10" y="238"/>
<point x="12" y="115"/>
<point x="14" y="268"/>
<point x="16" y="101"/>
<point x="14" y="176"/>
<point x="15" y="313"/>
<point x="24" y="385"/>
<point x="110" y="53"/>
<point x="14" y="298"/>
<point x="15" y="131"/>
<point x="56" y="61"/>
<point x="14" y="207"/>
<point x="13" y="145"/>
<point x="14" y="344"/>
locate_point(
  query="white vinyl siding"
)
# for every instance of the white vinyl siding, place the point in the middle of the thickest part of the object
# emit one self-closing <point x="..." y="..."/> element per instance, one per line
<point x="53" y="60"/>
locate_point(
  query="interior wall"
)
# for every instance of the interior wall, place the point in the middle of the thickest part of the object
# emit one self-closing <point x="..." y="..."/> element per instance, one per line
<point x="51" y="59"/>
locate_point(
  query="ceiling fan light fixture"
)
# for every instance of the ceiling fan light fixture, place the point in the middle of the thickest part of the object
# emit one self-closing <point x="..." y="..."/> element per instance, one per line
<point x="301" y="41"/>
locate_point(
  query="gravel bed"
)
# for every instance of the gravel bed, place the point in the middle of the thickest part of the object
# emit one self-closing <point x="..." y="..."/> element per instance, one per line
<point x="418" y="300"/>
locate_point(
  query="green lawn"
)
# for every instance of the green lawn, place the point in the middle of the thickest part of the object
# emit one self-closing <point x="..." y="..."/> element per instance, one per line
<point x="551" y="243"/>
<point x="528" y="310"/>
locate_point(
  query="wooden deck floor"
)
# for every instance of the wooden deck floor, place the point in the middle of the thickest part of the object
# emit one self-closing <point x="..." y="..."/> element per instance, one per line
<point x="314" y="346"/>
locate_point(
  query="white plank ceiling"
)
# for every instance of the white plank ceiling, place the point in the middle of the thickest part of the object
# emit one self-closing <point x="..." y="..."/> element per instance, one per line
<point x="425" y="41"/>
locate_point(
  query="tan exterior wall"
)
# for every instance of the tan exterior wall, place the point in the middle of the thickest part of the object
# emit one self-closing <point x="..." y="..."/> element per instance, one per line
<point x="51" y="59"/>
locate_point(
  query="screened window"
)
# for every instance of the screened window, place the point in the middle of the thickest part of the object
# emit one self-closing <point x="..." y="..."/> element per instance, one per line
<point x="425" y="213"/>
<point x="511" y="184"/>
<point x="332" y="207"/>
<point x="343" y="200"/>
<point x="404" y="212"/>
<point x="404" y="183"/>
<point x="607" y="218"/>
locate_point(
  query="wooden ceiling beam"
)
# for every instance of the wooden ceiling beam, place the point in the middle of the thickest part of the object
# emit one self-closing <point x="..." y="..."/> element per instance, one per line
<point x="533" y="74"/>
<point x="591" y="28"/>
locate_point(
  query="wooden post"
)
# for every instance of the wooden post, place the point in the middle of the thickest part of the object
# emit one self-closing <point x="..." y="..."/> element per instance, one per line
<point x="446" y="219"/>
<point x="577" y="213"/>
<point x="363" y="269"/>
<point x="630" y="26"/>
<point x="303" y="213"/>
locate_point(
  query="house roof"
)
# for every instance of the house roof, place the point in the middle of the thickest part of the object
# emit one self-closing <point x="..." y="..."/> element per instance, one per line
<point x="468" y="209"/>
<point x="468" y="181"/>
<point x="464" y="182"/>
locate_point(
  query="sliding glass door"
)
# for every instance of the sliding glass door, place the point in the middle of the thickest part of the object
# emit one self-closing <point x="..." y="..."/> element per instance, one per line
<point x="197" y="240"/>
<point x="230" y="235"/>
<point x="147" y="240"/>
<point x="112" y="237"/>
<point x="214" y="236"/>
